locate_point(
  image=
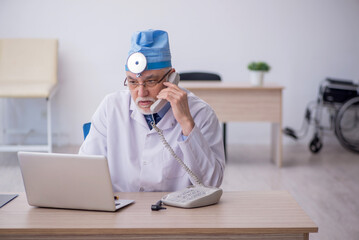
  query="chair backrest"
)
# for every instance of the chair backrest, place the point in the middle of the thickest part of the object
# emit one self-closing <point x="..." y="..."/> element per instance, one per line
<point x="86" y="129"/>
<point x="198" y="76"/>
<point x="28" y="60"/>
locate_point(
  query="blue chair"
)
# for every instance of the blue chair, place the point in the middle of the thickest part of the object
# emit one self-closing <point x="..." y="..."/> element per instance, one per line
<point x="86" y="129"/>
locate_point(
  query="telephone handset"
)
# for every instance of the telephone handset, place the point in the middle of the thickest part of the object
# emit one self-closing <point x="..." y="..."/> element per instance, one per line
<point x="192" y="196"/>
<point x="157" y="106"/>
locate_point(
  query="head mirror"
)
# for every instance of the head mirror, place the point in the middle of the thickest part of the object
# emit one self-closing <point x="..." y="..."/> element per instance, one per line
<point x="136" y="63"/>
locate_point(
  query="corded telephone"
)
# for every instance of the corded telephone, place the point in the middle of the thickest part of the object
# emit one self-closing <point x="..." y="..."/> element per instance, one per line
<point x="173" y="78"/>
<point x="193" y="196"/>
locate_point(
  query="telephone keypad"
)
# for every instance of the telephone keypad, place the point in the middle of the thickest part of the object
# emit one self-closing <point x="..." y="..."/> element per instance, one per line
<point x="188" y="195"/>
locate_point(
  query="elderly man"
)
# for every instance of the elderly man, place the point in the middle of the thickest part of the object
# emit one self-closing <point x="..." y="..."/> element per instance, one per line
<point x="121" y="127"/>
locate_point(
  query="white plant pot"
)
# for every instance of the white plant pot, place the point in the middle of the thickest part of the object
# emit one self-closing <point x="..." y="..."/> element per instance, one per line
<point x="256" y="78"/>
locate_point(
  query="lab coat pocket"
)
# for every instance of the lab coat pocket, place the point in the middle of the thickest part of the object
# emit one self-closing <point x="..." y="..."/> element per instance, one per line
<point x="171" y="168"/>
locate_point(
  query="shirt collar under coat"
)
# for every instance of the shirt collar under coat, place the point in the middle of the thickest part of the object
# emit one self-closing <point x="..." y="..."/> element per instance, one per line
<point x="167" y="122"/>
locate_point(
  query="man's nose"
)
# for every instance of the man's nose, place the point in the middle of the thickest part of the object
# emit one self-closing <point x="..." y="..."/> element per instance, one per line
<point x="142" y="91"/>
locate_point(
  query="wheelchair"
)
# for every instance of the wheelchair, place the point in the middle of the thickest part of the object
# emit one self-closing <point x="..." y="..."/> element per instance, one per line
<point x="341" y="100"/>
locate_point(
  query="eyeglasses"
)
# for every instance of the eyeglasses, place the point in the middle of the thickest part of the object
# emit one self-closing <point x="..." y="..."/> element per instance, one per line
<point x="149" y="83"/>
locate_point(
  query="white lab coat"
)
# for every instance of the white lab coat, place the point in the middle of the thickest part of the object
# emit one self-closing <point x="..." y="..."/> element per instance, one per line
<point x="138" y="160"/>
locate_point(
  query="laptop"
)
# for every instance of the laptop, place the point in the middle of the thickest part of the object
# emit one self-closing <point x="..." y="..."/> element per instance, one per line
<point x="68" y="181"/>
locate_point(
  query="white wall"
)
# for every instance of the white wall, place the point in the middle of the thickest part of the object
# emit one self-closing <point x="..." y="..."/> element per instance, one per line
<point x="304" y="41"/>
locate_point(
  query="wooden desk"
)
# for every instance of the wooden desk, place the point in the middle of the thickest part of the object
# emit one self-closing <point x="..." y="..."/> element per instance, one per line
<point x="240" y="102"/>
<point x="239" y="215"/>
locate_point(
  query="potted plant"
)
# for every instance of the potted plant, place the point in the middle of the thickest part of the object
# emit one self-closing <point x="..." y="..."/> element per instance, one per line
<point x="257" y="70"/>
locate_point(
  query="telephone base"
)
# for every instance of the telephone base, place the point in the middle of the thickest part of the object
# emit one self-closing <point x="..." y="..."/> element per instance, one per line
<point x="193" y="197"/>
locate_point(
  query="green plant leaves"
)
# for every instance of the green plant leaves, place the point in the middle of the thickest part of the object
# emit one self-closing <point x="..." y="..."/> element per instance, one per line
<point x="259" y="66"/>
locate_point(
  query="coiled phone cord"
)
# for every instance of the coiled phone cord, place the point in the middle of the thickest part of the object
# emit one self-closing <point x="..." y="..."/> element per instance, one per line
<point x="169" y="148"/>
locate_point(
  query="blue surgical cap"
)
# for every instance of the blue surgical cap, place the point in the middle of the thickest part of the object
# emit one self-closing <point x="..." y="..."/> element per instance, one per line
<point x="154" y="45"/>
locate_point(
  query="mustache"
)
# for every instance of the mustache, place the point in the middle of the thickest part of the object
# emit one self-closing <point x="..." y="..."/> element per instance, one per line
<point x="145" y="99"/>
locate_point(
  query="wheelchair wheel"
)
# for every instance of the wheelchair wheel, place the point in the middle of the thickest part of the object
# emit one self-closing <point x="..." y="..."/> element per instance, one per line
<point x="347" y="125"/>
<point x="316" y="144"/>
